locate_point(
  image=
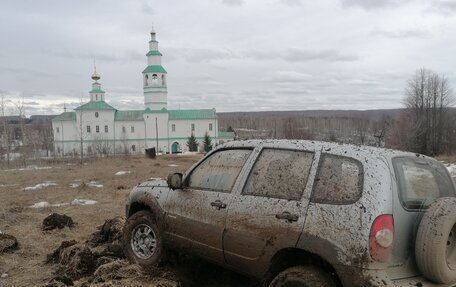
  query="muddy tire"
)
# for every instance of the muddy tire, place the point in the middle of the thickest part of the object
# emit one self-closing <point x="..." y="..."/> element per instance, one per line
<point x="435" y="246"/>
<point x="142" y="240"/>
<point x="303" y="276"/>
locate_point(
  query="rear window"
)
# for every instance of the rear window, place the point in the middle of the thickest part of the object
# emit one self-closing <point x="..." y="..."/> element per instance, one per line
<point x="339" y="180"/>
<point x="421" y="181"/>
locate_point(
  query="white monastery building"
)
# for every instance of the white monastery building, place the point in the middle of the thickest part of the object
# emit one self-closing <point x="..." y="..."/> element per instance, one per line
<point x="103" y="129"/>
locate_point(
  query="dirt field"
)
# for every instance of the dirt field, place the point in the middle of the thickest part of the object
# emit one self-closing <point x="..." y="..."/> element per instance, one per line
<point x="63" y="184"/>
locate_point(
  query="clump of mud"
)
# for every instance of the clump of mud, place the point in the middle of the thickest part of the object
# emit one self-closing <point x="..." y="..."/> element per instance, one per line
<point x="56" y="220"/>
<point x="100" y="262"/>
<point x="109" y="232"/>
<point x="8" y="243"/>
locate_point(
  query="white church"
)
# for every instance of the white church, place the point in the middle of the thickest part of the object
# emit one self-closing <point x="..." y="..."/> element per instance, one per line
<point x="104" y="129"/>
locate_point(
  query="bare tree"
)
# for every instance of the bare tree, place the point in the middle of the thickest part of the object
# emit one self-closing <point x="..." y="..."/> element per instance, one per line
<point x="101" y="146"/>
<point x="6" y="139"/>
<point x="361" y="130"/>
<point x="82" y="134"/>
<point x="428" y="98"/>
<point x="21" y="113"/>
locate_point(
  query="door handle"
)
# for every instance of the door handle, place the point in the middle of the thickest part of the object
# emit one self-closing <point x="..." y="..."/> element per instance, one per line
<point x="287" y="216"/>
<point x="218" y="204"/>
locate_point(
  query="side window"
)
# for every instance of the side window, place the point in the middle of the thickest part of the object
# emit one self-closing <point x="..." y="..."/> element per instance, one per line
<point x="220" y="171"/>
<point x="339" y="180"/>
<point x="279" y="174"/>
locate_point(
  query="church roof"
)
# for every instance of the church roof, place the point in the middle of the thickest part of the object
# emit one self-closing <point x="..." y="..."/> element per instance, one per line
<point x="100" y="105"/>
<point x="192" y="114"/>
<point x="154" y="53"/>
<point x="154" y="69"/>
<point x="97" y="91"/>
<point x="66" y="116"/>
<point x="135" y="115"/>
<point x="226" y="135"/>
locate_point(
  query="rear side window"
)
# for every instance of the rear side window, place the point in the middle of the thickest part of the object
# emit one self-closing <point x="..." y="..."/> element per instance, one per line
<point x="421" y="181"/>
<point x="279" y="174"/>
<point x="219" y="171"/>
<point x="339" y="180"/>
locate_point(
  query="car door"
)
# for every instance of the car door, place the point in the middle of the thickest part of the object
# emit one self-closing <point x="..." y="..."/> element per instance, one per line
<point x="195" y="215"/>
<point x="269" y="213"/>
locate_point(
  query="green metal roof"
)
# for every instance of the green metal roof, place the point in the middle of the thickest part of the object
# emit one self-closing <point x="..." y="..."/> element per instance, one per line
<point x="66" y="116"/>
<point x="226" y="135"/>
<point x="129" y="115"/>
<point x="101" y="105"/>
<point x="97" y="91"/>
<point x="154" y="69"/>
<point x="149" y="111"/>
<point x="192" y="114"/>
<point x="154" y="53"/>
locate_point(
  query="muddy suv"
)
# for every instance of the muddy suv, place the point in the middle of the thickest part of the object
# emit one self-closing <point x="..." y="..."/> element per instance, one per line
<point x="304" y="213"/>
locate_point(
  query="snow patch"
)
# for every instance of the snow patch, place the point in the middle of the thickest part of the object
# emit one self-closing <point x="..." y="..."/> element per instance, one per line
<point x="8" y="185"/>
<point x="30" y="167"/>
<point x="155" y="178"/>
<point x="78" y="201"/>
<point x="94" y="183"/>
<point x="74" y="185"/>
<point x="122" y="172"/>
<point x="45" y="204"/>
<point x="173" y="165"/>
<point x="40" y="185"/>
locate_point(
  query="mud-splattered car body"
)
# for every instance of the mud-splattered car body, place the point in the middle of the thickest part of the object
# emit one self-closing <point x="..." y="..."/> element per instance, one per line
<point x="263" y="206"/>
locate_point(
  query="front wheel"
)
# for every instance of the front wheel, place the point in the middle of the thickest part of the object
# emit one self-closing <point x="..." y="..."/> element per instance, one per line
<point x="142" y="241"/>
<point x="303" y="276"/>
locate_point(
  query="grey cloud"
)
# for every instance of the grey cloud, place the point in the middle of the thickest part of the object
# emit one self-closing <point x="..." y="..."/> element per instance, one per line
<point x="301" y="55"/>
<point x="28" y="72"/>
<point x="146" y="8"/>
<point x="443" y="7"/>
<point x="196" y="55"/>
<point x="372" y="4"/>
<point x="233" y="2"/>
<point x="291" y="2"/>
<point x="325" y="55"/>
<point x="399" y="34"/>
<point x="105" y="56"/>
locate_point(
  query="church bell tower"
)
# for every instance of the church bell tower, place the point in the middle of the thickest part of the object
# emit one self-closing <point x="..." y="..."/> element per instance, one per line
<point x="154" y="78"/>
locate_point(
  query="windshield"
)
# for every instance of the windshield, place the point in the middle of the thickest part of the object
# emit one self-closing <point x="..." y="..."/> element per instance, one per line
<point x="421" y="181"/>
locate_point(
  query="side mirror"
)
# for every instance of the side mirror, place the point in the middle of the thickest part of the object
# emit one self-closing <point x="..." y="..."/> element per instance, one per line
<point x="175" y="180"/>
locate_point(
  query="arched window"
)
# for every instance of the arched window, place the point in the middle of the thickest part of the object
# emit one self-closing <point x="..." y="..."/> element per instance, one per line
<point x="154" y="79"/>
<point x="163" y="80"/>
<point x="96" y="114"/>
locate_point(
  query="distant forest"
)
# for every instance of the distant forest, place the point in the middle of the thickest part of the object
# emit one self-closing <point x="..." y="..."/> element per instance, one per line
<point x="369" y="127"/>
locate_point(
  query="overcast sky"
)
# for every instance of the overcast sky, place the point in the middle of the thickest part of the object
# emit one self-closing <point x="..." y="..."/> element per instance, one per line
<point x="233" y="55"/>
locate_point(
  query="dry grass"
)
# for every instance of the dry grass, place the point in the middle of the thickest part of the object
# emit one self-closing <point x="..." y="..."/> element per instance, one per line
<point x="26" y="267"/>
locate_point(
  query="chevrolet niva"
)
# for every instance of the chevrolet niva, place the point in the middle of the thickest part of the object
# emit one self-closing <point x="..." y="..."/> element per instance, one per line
<point x="303" y="213"/>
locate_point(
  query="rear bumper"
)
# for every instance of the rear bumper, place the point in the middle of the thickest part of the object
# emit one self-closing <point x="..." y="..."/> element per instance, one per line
<point x="418" y="281"/>
<point x="357" y="277"/>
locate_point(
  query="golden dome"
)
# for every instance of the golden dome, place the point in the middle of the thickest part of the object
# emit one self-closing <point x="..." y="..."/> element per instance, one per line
<point x="95" y="75"/>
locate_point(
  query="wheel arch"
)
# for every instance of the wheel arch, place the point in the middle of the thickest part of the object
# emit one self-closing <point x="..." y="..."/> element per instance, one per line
<point x="289" y="257"/>
<point x="146" y="203"/>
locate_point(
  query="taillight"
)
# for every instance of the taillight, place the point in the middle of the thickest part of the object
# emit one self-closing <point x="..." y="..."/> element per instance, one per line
<point x="382" y="237"/>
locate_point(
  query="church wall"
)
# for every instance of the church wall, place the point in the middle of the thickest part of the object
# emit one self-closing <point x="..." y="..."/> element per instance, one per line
<point x="151" y="134"/>
<point x="183" y="129"/>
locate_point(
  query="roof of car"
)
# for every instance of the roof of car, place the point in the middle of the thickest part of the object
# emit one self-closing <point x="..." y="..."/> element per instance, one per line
<point x="315" y="145"/>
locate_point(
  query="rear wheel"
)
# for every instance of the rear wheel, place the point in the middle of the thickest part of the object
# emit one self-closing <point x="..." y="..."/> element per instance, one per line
<point x="303" y="276"/>
<point x="435" y="246"/>
<point x="142" y="241"/>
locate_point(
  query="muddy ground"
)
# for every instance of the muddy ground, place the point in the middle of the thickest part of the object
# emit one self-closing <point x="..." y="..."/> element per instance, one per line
<point x="71" y="189"/>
